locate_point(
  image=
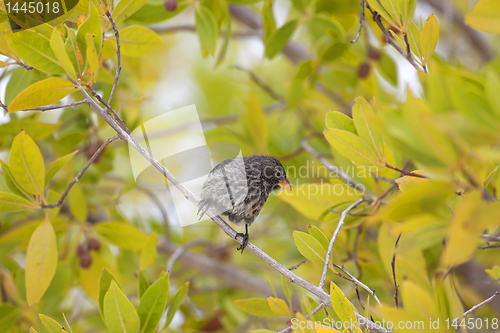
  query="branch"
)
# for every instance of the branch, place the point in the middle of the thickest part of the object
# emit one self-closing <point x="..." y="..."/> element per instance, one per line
<point x="348" y="214"/>
<point x="192" y="28"/>
<point x="54" y="107"/>
<point x="338" y="172"/>
<point x="334" y="237"/>
<point x="270" y="91"/>
<point x="393" y="265"/>
<point x="475" y="307"/>
<point x="393" y="43"/>
<point x="496" y="246"/>
<point x="80" y="174"/>
<point x="361" y="21"/>
<point x="299" y="264"/>
<point x="492" y="238"/>
<point x="118" y="56"/>
<point x="411" y="174"/>
<point x="356" y="281"/>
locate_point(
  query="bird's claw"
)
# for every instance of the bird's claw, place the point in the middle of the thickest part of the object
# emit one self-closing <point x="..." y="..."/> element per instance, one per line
<point x="244" y="243"/>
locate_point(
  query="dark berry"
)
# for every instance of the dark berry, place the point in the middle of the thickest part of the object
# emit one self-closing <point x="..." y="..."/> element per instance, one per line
<point x="374" y="54"/>
<point x="363" y="70"/>
<point x="170" y="5"/>
<point x="85" y="260"/>
<point x="94" y="244"/>
<point x="80" y="249"/>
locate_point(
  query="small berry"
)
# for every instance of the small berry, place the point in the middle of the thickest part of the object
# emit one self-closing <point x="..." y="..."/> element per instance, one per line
<point x="80" y="250"/>
<point x="374" y="54"/>
<point x="94" y="244"/>
<point x="363" y="70"/>
<point x="85" y="260"/>
<point x="170" y="5"/>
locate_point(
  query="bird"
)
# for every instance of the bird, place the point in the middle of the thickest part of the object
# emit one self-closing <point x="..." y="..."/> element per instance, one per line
<point x="239" y="187"/>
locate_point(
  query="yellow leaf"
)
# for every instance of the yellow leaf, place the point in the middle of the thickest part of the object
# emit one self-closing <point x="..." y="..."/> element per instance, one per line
<point x="429" y="37"/>
<point x="406" y="182"/>
<point x="309" y="246"/>
<point x="122" y="234"/>
<point x="148" y="252"/>
<point x="255" y="306"/>
<point x="26" y="164"/>
<point x="92" y="57"/>
<point x="278" y="306"/>
<point x="362" y="114"/>
<point x="484" y="16"/>
<point x="41" y="261"/>
<point x="352" y="147"/>
<point x="78" y="203"/>
<point x="342" y="307"/>
<point x="41" y="93"/>
<point x="136" y="40"/>
<point x="57" y="45"/>
<point x="256" y="123"/>
<point x="10" y="202"/>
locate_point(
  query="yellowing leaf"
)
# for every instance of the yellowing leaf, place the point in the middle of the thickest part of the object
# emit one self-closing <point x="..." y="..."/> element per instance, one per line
<point x="148" y="252"/>
<point x="362" y="114"/>
<point x="136" y="40"/>
<point x="309" y="246"/>
<point x="278" y="306"/>
<point x="406" y="182"/>
<point x="119" y="314"/>
<point x="78" y="203"/>
<point x="92" y="57"/>
<point x="50" y="324"/>
<point x="341" y="305"/>
<point x="57" y="45"/>
<point x="429" y="37"/>
<point x="125" y="8"/>
<point x="418" y="300"/>
<point x="122" y="234"/>
<point x="207" y="29"/>
<point x="255" y="306"/>
<point x="10" y="202"/>
<point x="42" y="93"/>
<point x="41" y="261"/>
<point x="256" y="123"/>
<point x="484" y="16"/>
<point x="352" y="147"/>
<point x="26" y="164"/>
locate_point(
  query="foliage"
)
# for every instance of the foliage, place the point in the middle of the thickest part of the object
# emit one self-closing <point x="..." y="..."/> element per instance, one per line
<point x="74" y="257"/>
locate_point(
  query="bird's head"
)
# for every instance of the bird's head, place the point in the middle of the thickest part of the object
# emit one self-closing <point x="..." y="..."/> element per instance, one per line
<point x="274" y="173"/>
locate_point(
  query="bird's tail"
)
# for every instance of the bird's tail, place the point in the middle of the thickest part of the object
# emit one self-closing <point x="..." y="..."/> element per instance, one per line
<point x="204" y="204"/>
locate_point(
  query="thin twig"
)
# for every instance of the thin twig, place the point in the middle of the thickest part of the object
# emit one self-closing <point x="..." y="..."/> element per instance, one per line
<point x="80" y="174"/>
<point x="492" y="238"/>
<point x="313" y="312"/>
<point x="192" y="28"/>
<point x="393" y="265"/>
<point x="349" y="214"/>
<point x="411" y="174"/>
<point x="270" y="91"/>
<point x="361" y="21"/>
<point x="298" y="265"/>
<point x="356" y="281"/>
<point x="55" y="107"/>
<point x="338" y="172"/>
<point x="477" y="306"/>
<point x="334" y="237"/>
<point x="496" y="246"/>
<point x="118" y="56"/>
<point x="109" y="109"/>
<point x="20" y="63"/>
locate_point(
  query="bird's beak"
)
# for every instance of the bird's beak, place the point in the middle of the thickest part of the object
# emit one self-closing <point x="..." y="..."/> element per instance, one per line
<point x="285" y="184"/>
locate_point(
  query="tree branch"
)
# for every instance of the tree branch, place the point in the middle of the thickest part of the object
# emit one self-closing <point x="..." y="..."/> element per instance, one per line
<point x="118" y="56"/>
<point x="80" y="174"/>
<point x="270" y="91"/>
<point x="393" y="265"/>
<point x="356" y="281"/>
<point x="334" y="237"/>
<point x="55" y="107"/>
<point x="475" y="307"/>
<point x="361" y="21"/>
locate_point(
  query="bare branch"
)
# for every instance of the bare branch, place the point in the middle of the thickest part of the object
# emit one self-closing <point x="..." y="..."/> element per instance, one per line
<point x="349" y="214"/>
<point x="411" y="174"/>
<point x="55" y="107"/>
<point x="299" y="264"/>
<point x="80" y="174"/>
<point x="20" y="63"/>
<point x="118" y="57"/>
<point x="361" y="21"/>
<point x="491" y="238"/>
<point x="357" y="282"/>
<point x="393" y="265"/>
<point x="341" y="174"/>
<point x="192" y="28"/>
<point x="109" y="109"/>
<point x="496" y="246"/>
<point x="477" y="306"/>
<point x="334" y="237"/>
<point x="270" y="91"/>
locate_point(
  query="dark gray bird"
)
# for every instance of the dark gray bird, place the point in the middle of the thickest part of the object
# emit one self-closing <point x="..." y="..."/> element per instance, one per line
<point x="239" y="187"/>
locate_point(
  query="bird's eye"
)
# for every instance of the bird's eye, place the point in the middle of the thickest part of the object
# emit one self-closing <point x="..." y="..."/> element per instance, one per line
<point x="278" y="174"/>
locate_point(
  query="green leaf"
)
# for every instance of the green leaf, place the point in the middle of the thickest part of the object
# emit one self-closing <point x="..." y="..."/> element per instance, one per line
<point x="35" y="50"/>
<point x="398" y="13"/>
<point x="122" y="234"/>
<point x="309" y="246"/>
<point x="50" y="324"/>
<point x="119" y="314"/>
<point x="125" y="8"/>
<point x="67" y="327"/>
<point x="153" y="303"/>
<point x="268" y="21"/>
<point x="57" y="46"/>
<point x="278" y="306"/>
<point x="148" y="252"/>
<point x="484" y="16"/>
<point x="255" y="306"/>
<point x="143" y="284"/>
<point x="429" y="37"/>
<point x="176" y="302"/>
<point x="388" y="69"/>
<point x="256" y="123"/>
<point x="335" y="119"/>
<point x="341" y="305"/>
<point x="319" y="235"/>
<point x="78" y="203"/>
<point x="92" y="26"/>
<point x="42" y="93"/>
<point x="55" y="166"/>
<point x="10" y="202"/>
<point x="207" y="29"/>
<point x="225" y="44"/>
<point x="9" y="314"/>
<point x="362" y="115"/>
<point x="278" y="39"/>
<point x="305" y="69"/>
<point x="352" y="147"/>
<point x="41" y="261"/>
<point x="104" y="283"/>
<point x="136" y="40"/>
<point x="26" y="164"/>
<point x="12" y="183"/>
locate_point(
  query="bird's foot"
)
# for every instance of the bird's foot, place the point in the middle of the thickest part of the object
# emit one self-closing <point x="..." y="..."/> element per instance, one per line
<point x="245" y="241"/>
<point x="201" y="207"/>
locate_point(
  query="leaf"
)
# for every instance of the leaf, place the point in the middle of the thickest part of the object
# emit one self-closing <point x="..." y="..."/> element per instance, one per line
<point x="122" y="234"/>
<point x="50" y="324"/>
<point x="484" y="16"/>
<point x="126" y="8"/>
<point x="41" y="261"/>
<point x="176" y="302"/>
<point x="143" y="284"/>
<point x="92" y="57"/>
<point x="278" y="306"/>
<point x="59" y="49"/>
<point x="153" y="303"/>
<point x="278" y="39"/>
<point x="26" y="164"/>
<point x="398" y="13"/>
<point x="341" y="305"/>
<point x="286" y="289"/>
<point x="309" y="246"/>
<point x="407" y="182"/>
<point x="268" y="21"/>
<point x="55" y="166"/>
<point x="352" y="147"/>
<point x="119" y="314"/>
<point x="67" y="327"/>
<point x="362" y="115"/>
<point x="335" y="119"/>
<point x="104" y="283"/>
<point x="225" y="44"/>
<point x="35" y="50"/>
<point x="207" y="29"/>
<point x="255" y="306"/>
<point x="9" y="314"/>
<point x="42" y="93"/>
<point x="136" y="40"/>
<point x="256" y="123"/>
<point x="10" y="203"/>
<point x="92" y="26"/>
<point x="148" y="252"/>
<point x="429" y="37"/>
<point x="78" y="203"/>
<point x="319" y="235"/>
<point x="12" y="183"/>
<point x="305" y="69"/>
